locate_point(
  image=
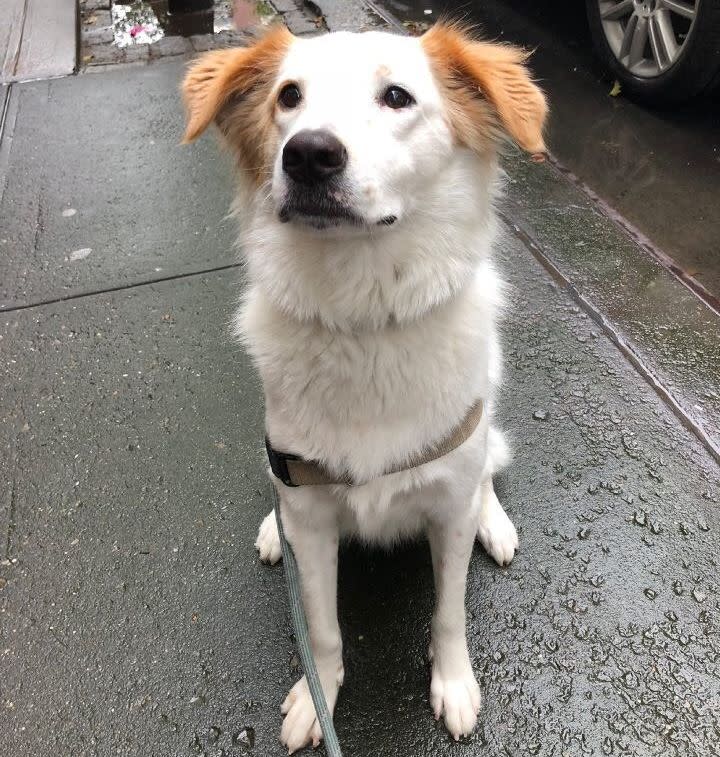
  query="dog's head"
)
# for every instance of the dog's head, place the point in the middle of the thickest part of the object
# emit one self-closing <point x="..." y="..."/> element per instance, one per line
<point x="345" y="130"/>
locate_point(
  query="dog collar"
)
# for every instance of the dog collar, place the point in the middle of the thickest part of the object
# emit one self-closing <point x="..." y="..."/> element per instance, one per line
<point x="294" y="470"/>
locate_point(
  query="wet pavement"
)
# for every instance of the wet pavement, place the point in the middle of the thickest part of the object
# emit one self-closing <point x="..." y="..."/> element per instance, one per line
<point x="664" y="328"/>
<point x="89" y="196"/>
<point x="659" y="169"/>
<point x="135" y="618"/>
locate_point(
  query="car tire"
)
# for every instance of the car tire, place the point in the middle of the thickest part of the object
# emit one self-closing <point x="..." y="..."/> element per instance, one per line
<point x="695" y="70"/>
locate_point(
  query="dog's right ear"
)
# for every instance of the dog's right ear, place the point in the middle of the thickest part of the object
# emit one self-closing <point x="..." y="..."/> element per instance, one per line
<point x="487" y="87"/>
<point x="221" y="75"/>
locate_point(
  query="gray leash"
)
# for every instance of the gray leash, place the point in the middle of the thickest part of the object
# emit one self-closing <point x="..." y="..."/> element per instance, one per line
<point x="332" y="746"/>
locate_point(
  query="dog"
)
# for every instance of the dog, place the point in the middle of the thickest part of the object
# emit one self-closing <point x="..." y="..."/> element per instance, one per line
<point x="367" y="177"/>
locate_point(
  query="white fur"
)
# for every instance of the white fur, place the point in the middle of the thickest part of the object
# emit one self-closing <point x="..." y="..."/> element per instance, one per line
<point x="373" y="342"/>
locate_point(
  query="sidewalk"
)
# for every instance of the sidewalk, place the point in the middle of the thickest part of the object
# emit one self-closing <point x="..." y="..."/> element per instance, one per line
<point x="37" y="39"/>
<point x="135" y="618"/>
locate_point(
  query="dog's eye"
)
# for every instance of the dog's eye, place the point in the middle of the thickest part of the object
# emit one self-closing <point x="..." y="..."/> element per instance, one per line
<point x="396" y="97"/>
<point x="290" y="96"/>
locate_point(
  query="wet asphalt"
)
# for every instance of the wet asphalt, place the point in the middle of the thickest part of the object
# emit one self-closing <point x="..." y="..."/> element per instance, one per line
<point x="134" y="616"/>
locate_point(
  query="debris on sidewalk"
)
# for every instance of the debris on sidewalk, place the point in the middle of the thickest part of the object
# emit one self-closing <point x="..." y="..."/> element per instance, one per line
<point x="135" y="24"/>
<point x="416" y="28"/>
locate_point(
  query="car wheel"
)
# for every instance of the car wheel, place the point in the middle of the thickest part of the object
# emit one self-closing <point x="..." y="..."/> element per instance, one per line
<point x="661" y="51"/>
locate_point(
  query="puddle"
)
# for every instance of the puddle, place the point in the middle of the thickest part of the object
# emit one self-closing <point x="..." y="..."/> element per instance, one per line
<point x="148" y="21"/>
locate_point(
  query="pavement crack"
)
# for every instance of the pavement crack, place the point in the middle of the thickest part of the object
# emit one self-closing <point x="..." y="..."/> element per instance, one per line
<point x="21" y="38"/>
<point x="12" y="506"/>
<point x="4" y="146"/>
<point x="53" y="633"/>
<point x="38" y="224"/>
<point x="119" y="288"/>
<point x="386" y="16"/>
<point x="4" y="109"/>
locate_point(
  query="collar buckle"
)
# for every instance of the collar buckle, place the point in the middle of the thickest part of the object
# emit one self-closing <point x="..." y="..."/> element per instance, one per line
<point x="278" y="463"/>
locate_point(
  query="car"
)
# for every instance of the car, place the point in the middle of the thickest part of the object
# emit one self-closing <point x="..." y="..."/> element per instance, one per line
<point x="660" y="51"/>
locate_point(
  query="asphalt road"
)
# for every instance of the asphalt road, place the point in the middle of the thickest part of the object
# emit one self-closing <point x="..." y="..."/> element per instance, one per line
<point x="659" y="169"/>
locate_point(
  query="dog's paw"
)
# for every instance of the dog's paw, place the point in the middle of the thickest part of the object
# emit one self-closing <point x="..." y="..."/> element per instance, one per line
<point x="457" y="699"/>
<point x="495" y="530"/>
<point x="300" y="726"/>
<point x="268" y="540"/>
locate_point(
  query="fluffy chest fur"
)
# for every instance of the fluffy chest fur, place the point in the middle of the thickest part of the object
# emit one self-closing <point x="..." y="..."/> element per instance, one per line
<point x="363" y="400"/>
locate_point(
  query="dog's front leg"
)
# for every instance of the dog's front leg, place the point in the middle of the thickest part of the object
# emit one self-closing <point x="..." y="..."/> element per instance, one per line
<point x="454" y="692"/>
<point x="311" y="527"/>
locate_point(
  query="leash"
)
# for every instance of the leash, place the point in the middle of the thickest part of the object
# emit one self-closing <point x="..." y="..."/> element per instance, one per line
<point x="332" y="746"/>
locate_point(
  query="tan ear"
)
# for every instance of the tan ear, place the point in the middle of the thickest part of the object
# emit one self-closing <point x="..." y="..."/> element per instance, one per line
<point x="220" y="75"/>
<point x="474" y="75"/>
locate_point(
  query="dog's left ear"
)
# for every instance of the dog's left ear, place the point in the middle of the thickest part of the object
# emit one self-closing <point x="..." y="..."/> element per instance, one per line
<point x="219" y="76"/>
<point x="487" y="87"/>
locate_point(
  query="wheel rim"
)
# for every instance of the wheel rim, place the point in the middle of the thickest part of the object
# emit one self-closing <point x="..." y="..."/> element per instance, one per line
<point x="647" y="36"/>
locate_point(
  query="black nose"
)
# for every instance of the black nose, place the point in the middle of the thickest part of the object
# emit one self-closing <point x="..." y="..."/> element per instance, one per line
<point x="313" y="156"/>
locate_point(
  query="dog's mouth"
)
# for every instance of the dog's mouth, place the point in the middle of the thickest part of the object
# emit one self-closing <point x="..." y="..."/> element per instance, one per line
<point x="325" y="210"/>
<point x="320" y="216"/>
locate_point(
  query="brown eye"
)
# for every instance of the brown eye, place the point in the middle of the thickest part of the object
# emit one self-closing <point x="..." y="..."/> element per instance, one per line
<point x="290" y="96"/>
<point x="396" y="97"/>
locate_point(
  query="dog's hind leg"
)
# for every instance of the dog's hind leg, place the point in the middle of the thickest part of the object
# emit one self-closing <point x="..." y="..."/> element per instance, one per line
<point x="268" y="540"/>
<point x="495" y="529"/>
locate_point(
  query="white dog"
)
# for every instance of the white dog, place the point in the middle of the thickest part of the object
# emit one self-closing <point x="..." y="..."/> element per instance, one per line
<point x="368" y="169"/>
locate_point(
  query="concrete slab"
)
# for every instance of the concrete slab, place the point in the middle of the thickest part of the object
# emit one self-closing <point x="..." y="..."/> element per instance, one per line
<point x="38" y="39"/>
<point x="95" y="164"/>
<point x="134" y="618"/>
